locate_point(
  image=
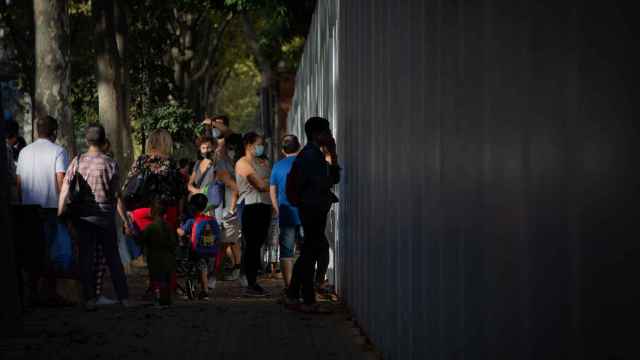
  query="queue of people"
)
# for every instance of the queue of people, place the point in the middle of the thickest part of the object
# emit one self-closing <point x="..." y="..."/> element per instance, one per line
<point x="220" y="205"/>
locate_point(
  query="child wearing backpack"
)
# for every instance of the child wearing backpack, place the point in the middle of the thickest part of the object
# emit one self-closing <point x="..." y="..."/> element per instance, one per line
<point x="160" y="242"/>
<point x="204" y="232"/>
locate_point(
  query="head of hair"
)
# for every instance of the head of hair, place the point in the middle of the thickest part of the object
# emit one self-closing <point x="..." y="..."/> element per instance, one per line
<point x="46" y="126"/>
<point x="205" y="139"/>
<point x="183" y="163"/>
<point x="315" y="125"/>
<point x="250" y="138"/>
<point x="159" y="141"/>
<point x="158" y="209"/>
<point x="290" y="144"/>
<point x="21" y="142"/>
<point x="224" y="118"/>
<point x="12" y="128"/>
<point x="198" y="202"/>
<point x="95" y="135"/>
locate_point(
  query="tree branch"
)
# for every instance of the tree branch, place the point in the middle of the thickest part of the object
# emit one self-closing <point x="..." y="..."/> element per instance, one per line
<point x="212" y="50"/>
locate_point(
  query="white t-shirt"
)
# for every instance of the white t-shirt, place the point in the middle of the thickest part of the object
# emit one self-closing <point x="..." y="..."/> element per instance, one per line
<point x="38" y="164"/>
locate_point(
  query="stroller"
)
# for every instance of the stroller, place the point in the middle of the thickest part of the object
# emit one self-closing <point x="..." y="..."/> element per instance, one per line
<point x="187" y="273"/>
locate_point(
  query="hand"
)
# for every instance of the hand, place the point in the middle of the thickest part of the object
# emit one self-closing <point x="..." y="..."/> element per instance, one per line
<point x="127" y="231"/>
<point x="180" y="232"/>
<point x="330" y="146"/>
<point x="275" y="211"/>
<point x="207" y="122"/>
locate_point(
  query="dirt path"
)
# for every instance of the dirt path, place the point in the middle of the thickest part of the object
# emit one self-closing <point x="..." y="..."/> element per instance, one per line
<point x="229" y="326"/>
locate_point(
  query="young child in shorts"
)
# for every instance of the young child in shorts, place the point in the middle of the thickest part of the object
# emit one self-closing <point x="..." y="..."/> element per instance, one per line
<point x="204" y="232"/>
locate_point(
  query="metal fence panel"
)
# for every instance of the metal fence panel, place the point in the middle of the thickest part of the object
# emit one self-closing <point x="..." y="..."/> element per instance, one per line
<point x="486" y="149"/>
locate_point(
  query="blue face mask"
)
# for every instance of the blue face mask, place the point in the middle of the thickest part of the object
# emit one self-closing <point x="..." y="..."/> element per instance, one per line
<point x="259" y="150"/>
<point x="215" y="133"/>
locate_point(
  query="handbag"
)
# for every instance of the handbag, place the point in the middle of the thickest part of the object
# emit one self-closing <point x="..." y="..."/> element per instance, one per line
<point x="134" y="192"/>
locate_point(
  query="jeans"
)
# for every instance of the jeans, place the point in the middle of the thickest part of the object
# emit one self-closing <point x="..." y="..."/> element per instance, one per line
<point x="289" y="236"/>
<point x="89" y="235"/>
<point x="314" y="249"/>
<point x="256" y="219"/>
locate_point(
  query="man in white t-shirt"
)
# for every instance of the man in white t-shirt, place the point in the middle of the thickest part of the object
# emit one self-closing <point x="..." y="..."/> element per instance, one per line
<point x="40" y="173"/>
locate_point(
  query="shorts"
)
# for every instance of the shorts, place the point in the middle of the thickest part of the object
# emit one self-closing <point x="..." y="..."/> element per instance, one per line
<point x="289" y="236"/>
<point x="230" y="230"/>
<point x="206" y="264"/>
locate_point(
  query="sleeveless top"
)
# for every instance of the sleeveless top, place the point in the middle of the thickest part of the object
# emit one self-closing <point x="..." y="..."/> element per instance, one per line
<point x="248" y="193"/>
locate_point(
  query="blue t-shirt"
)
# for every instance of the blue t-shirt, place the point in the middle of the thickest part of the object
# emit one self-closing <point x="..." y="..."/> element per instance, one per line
<point x="288" y="213"/>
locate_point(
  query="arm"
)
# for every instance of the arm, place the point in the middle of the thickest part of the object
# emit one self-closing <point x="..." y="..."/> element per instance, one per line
<point x="225" y="177"/>
<point x="245" y="169"/>
<point x="59" y="181"/>
<point x="192" y="179"/>
<point x="273" y="192"/>
<point x="258" y="183"/>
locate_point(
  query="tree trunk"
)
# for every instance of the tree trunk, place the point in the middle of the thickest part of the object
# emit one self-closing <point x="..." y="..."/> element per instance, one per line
<point x="108" y="75"/>
<point x="122" y="38"/>
<point x="53" y="66"/>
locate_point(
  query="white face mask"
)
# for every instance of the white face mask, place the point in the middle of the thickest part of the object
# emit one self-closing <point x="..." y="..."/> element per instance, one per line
<point x="215" y="133"/>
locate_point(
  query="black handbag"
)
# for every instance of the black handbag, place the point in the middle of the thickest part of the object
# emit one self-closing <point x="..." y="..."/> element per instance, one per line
<point x="134" y="196"/>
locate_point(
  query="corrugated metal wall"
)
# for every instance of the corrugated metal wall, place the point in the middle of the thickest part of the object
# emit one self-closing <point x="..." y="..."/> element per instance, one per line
<point x="487" y="194"/>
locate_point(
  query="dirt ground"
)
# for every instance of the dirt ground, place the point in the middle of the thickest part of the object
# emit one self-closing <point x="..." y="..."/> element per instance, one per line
<point x="228" y="326"/>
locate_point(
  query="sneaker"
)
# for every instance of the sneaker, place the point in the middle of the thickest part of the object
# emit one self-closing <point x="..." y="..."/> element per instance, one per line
<point x="212" y="284"/>
<point x="90" y="305"/>
<point x="256" y="291"/>
<point x="105" y="301"/>
<point x="203" y="296"/>
<point x="243" y="280"/>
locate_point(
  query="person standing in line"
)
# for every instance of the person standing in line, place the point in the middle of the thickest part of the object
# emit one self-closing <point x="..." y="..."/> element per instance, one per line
<point x="162" y="182"/>
<point x="93" y="216"/>
<point x="226" y="213"/>
<point x="312" y="178"/>
<point x="39" y="176"/>
<point x="252" y="177"/>
<point x="288" y="218"/>
<point x="212" y="173"/>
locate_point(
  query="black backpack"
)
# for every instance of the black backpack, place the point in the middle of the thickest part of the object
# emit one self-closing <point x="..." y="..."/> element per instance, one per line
<point x="294" y="184"/>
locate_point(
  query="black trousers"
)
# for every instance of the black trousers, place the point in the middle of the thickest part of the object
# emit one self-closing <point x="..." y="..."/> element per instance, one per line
<point x="89" y="235"/>
<point x="256" y="219"/>
<point x="314" y="249"/>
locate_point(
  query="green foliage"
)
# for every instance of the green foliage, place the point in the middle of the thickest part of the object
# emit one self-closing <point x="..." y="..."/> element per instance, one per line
<point x="238" y="99"/>
<point x="179" y="121"/>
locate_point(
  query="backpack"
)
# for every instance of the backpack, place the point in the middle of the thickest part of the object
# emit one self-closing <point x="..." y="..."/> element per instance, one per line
<point x="214" y="190"/>
<point x="293" y="188"/>
<point x="204" y="234"/>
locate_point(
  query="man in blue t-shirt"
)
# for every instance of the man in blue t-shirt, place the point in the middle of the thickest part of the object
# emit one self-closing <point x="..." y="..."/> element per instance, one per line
<point x="287" y="214"/>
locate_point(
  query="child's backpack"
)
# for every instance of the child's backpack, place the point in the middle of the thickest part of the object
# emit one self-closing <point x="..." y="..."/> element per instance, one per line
<point x="204" y="235"/>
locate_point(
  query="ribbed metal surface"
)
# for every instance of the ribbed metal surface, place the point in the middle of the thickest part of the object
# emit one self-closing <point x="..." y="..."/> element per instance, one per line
<point x="486" y="197"/>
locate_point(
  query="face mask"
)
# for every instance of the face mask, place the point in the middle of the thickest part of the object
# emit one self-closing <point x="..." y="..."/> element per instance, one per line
<point x="216" y="133"/>
<point x="259" y="150"/>
<point x="231" y="154"/>
<point x="207" y="154"/>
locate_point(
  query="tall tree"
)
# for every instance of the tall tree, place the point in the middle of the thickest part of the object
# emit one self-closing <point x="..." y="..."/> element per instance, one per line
<point x="109" y="75"/>
<point x="122" y="39"/>
<point x="52" y="73"/>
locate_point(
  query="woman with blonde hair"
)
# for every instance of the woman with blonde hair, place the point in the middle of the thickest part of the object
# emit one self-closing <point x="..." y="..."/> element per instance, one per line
<point x="157" y="178"/>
